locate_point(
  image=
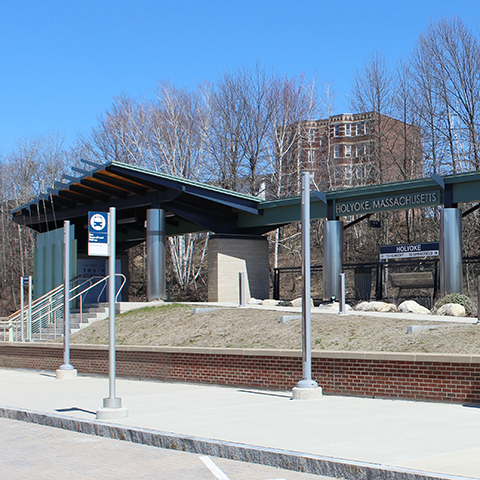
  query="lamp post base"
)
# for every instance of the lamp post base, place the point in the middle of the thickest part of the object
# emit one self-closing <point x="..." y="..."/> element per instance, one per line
<point x="106" y="413"/>
<point x="63" y="374"/>
<point x="299" y="393"/>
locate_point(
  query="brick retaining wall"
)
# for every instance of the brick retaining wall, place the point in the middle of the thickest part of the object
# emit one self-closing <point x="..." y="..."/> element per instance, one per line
<point x="432" y="377"/>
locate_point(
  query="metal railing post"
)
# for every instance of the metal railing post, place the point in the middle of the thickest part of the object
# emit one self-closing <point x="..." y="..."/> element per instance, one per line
<point x="276" y="284"/>
<point x="241" y="289"/>
<point x="341" y="310"/>
<point x="22" y="307"/>
<point x="29" y="326"/>
<point x="478" y="300"/>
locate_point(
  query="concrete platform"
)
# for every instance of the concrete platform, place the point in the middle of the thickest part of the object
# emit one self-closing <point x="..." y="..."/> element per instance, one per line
<point x="321" y="309"/>
<point x="345" y="437"/>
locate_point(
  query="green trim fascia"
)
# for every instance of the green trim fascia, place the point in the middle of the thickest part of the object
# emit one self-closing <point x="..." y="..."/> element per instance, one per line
<point x="183" y="181"/>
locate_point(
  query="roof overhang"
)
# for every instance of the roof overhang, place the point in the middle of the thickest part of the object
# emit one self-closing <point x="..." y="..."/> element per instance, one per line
<point x="190" y="206"/>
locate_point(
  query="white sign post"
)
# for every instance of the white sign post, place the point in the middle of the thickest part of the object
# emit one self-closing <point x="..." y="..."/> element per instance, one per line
<point x="102" y="242"/>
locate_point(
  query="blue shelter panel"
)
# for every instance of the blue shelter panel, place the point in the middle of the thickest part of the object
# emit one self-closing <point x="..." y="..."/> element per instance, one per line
<point x="48" y="268"/>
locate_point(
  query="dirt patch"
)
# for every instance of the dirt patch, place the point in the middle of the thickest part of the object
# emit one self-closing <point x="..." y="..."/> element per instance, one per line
<point x="177" y="325"/>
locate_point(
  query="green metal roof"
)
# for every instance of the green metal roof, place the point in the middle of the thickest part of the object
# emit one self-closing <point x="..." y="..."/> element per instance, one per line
<point x="190" y="206"/>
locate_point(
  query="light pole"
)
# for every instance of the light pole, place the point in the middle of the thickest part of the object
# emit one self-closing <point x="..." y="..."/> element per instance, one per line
<point x="306" y="388"/>
<point x="66" y="370"/>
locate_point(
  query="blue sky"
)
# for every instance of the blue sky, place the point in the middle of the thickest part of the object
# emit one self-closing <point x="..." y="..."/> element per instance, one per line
<point x="63" y="62"/>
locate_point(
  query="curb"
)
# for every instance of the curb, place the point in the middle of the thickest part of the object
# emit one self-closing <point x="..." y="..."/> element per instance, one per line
<point x="286" y="459"/>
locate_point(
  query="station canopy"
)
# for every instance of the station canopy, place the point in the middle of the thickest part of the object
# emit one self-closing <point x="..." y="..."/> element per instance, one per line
<point x="190" y="206"/>
<point x="193" y="206"/>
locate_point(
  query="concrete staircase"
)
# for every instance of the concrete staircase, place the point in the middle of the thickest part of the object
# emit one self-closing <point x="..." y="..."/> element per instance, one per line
<point x="91" y="313"/>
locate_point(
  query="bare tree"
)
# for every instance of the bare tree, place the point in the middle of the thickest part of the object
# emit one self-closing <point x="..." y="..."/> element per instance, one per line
<point x="295" y="100"/>
<point x="242" y="107"/>
<point x="446" y="70"/>
<point x="29" y="169"/>
<point x="371" y="92"/>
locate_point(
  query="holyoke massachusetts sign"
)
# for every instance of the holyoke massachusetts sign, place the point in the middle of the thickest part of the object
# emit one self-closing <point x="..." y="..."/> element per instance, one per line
<point x="409" y="250"/>
<point x="388" y="202"/>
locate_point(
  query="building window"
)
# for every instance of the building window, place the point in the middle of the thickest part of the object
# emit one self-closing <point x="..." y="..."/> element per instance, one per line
<point x="348" y="172"/>
<point x="363" y="149"/>
<point x="310" y="136"/>
<point x="360" y="129"/>
<point x="336" y="130"/>
<point x="348" y="129"/>
<point x="348" y="150"/>
<point x="336" y="151"/>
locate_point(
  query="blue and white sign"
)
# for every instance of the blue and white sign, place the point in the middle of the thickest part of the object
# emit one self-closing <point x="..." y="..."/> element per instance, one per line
<point x="409" y="250"/>
<point x="98" y="241"/>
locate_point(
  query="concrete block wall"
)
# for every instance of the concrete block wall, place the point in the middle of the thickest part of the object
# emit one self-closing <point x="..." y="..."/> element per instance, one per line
<point x="426" y="377"/>
<point x="228" y="255"/>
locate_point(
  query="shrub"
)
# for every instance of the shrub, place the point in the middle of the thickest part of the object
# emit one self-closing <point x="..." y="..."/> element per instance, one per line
<point x="459" y="299"/>
<point x="284" y="303"/>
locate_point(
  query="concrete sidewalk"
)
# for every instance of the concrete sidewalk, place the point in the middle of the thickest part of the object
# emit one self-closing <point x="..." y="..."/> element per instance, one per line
<point x="334" y="436"/>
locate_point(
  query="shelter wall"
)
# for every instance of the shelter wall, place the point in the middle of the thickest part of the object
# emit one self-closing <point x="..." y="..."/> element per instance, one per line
<point x="230" y="255"/>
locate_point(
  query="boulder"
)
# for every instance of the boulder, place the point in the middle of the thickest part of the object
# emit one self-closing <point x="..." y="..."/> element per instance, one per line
<point x="410" y="306"/>
<point x="452" y="309"/>
<point x="376" y="307"/>
<point x="270" y="302"/>
<point x="335" y="306"/>
<point x="298" y="302"/>
<point x="255" y="301"/>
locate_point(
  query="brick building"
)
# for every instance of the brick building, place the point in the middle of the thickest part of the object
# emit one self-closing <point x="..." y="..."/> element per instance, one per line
<point x="349" y="150"/>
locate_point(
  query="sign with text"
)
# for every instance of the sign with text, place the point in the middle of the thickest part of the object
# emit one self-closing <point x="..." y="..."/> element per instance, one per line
<point x="387" y="202"/>
<point x="98" y="241"/>
<point x="410" y="250"/>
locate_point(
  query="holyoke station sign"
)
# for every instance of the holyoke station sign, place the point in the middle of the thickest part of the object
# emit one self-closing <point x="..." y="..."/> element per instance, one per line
<point x="390" y="202"/>
<point x="410" y="250"/>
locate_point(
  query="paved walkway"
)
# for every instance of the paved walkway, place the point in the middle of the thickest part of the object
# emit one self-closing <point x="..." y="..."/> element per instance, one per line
<point x="335" y="436"/>
<point x="38" y="452"/>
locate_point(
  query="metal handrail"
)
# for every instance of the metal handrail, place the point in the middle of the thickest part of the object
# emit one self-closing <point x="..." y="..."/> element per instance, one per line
<point x="103" y="279"/>
<point x="55" y="298"/>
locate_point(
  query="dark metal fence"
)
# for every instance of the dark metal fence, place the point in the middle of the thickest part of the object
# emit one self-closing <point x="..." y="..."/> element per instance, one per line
<point x="366" y="281"/>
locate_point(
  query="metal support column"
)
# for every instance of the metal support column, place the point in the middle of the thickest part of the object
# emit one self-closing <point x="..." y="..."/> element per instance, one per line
<point x="156" y="267"/>
<point x="451" y="273"/>
<point x="332" y="258"/>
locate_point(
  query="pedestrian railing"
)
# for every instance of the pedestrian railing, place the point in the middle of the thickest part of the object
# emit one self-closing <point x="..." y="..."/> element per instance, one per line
<point x="47" y="312"/>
